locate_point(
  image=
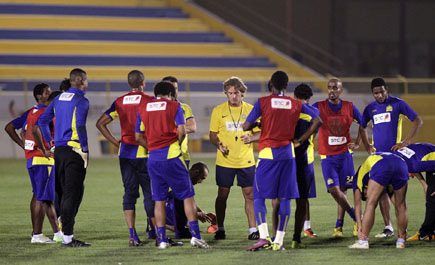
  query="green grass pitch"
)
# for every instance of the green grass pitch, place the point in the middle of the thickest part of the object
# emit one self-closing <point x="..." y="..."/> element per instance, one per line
<point x="100" y="221"/>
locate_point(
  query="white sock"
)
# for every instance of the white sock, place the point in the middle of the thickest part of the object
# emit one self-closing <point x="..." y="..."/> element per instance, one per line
<point x="363" y="242"/>
<point x="279" y="238"/>
<point x="37" y="235"/>
<point x="221" y="228"/>
<point x="252" y="230"/>
<point x="58" y="234"/>
<point x="264" y="233"/>
<point x="307" y="225"/>
<point x="400" y="240"/>
<point x="389" y="227"/>
<point x="67" y="239"/>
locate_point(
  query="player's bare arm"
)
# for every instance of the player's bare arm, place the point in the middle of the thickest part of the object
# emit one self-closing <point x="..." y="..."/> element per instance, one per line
<point x="102" y="123"/>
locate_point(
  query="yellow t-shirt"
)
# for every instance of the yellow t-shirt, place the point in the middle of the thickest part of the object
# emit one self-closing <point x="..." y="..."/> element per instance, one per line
<point x="227" y="121"/>
<point x="187" y="111"/>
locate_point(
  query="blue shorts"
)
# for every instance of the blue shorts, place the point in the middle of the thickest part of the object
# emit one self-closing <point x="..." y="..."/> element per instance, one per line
<point x="392" y="171"/>
<point x="275" y="179"/>
<point x="42" y="178"/>
<point x="306" y="180"/>
<point x="338" y="170"/>
<point x="225" y="176"/>
<point x="170" y="173"/>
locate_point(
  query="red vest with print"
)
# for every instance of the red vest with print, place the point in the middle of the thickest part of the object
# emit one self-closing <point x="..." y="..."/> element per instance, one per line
<point x="127" y="107"/>
<point x="30" y="147"/>
<point x="158" y="117"/>
<point x="334" y="134"/>
<point x="279" y="117"/>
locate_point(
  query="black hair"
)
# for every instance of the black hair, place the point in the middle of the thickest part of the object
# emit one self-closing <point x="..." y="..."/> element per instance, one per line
<point x="64" y="85"/>
<point x="53" y="95"/>
<point x="269" y="86"/>
<point x="164" y="88"/>
<point x="39" y="90"/>
<point x="135" y="78"/>
<point x="170" y="78"/>
<point x="197" y="172"/>
<point x="279" y="80"/>
<point x="377" y="82"/>
<point x="303" y="91"/>
<point x="76" y="72"/>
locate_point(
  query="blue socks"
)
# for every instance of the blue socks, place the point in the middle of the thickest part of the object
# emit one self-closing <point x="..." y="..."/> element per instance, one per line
<point x="161" y="233"/>
<point x="194" y="229"/>
<point x="339" y="223"/>
<point x="133" y="234"/>
<point x="283" y="214"/>
<point x="260" y="211"/>
<point x="351" y="213"/>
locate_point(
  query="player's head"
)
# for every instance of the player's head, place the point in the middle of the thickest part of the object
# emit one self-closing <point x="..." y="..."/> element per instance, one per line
<point x="279" y="81"/>
<point x="78" y="79"/>
<point x="335" y="88"/>
<point x="174" y="81"/>
<point x="303" y="92"/>
<point x="53" y="95"/>
<point x="379" y="89"/>
<point x="64" y="85"/>
<point x="235" y="89"/>
<point x="136" y="79"/>
<point x="198" y="172"/>
<point x="163" y="89"/>
<point x="42" y="92"/>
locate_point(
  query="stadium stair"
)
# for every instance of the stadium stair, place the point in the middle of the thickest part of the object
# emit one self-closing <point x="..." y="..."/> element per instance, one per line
<point x="42" y="40"/>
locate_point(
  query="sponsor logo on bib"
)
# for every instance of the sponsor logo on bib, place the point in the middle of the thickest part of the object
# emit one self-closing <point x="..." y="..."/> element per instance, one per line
<point x="134" y="99"/>
<point x="29" y="145"/>
<point x="337" y="140"/>
<point x="65" y="96"/>
<point x="156" y="106"/>
<point x="382" y="118"/>
<point x="280" y="103"/>
<point x="406" y="152"/>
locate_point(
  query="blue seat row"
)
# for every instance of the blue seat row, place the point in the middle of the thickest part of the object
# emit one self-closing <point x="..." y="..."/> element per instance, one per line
<point x="156" y="61"/>
<point x="143" y="12"/>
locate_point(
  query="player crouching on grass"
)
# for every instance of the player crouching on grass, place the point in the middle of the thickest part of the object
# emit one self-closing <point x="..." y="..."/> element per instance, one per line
<point x="160" y="127"/>
<point x="379" y="171"/>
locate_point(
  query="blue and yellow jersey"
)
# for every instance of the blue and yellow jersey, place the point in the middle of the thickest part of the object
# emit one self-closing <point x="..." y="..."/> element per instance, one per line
<point x="70" y="110"/>
<point x="418" y="157"/>
<point x="227" y="122"/>
<point x="386" y="120"/>
<point x="187" y="111"/>
<point x="305" y="151"/>
<point x="40" y="161"/>
<point x="19" y="122"/>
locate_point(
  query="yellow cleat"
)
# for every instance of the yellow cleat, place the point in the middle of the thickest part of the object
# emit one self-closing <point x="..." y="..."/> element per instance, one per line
<point x="355" y="229"/>
<point x="338" y="232"/>
<point x="417" y="237"/>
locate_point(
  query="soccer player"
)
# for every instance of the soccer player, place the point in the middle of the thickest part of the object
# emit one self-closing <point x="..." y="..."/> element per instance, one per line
<point x="160" y="128"/>
<point x="335" y="149"/>
<point x="386" y="114"/>
<point x="234" y="156"/>
<point x="71" y="148"/>
<point x="132" y="157"/>
<point x="40" y="171"/>
<point x="377" y="172"/>
<point x="304" y="155"/>
<point x="421" y="158"/>
<point x="275" y="176"/>
<point x="181" y="231"/>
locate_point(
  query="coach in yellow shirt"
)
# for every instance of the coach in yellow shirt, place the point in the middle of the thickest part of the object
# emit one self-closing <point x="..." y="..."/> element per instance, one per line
<point x="235" y="155"/>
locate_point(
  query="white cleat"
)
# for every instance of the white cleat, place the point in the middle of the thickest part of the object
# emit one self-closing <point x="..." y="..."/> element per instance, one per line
<point x="58" y="239"/>
<point x="42" y="240"/>
<point x="163" y="245"/>
<point x="400" y="245"/>
<point x="199" y="243"/>
<point x="359" y="246"/>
